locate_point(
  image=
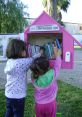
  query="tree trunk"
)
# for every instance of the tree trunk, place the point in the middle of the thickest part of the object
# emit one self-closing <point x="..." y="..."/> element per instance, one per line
<point x="54" y="9"/>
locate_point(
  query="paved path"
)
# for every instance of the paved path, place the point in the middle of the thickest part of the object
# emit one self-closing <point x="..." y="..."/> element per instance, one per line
<point x="73" y="77"/>
<point x="2" y="75"/>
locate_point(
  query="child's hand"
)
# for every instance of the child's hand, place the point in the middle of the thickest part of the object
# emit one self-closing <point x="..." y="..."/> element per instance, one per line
<point x="57" y="52"/>
<point x="36" y="55"/>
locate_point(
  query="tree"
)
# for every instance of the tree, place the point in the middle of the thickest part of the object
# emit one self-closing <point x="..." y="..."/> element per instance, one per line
<point x="54" y="7"/>
<point x="1" y="12"/>
<point x="12" y="16"/>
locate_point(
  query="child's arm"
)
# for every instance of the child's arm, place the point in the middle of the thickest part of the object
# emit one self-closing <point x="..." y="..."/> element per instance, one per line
<point x="25" y="63"/>
<point x="30" y="60"/>
<point x="19" y="65"/>
<point x="57" y="65"/>
<point x="36" y="55"/>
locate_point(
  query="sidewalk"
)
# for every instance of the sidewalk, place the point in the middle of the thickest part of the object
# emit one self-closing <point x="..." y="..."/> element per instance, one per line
<point x="74" y="76"/>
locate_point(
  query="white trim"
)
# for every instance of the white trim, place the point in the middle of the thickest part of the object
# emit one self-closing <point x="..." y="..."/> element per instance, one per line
<point x="44" y="28"/>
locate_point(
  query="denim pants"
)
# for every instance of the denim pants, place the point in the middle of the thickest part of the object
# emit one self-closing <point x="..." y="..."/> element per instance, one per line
<point x="15" y="107"/>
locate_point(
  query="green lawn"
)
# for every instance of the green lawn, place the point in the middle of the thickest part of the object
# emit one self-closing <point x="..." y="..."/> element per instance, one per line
<point x="77" y="47"/>
<point x="69" y="101"/>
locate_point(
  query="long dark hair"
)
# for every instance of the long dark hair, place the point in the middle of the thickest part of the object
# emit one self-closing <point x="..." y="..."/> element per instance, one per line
<point x="40" y="66"/>
<point x="14" y="49"/>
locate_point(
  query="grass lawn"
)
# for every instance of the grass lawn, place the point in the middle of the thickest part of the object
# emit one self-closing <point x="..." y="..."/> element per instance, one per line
<point x="77" y="47"/>
<point x="69" y="101"/>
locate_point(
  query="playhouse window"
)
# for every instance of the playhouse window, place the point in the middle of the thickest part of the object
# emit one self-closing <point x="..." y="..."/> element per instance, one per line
<point x="47" y="39"/>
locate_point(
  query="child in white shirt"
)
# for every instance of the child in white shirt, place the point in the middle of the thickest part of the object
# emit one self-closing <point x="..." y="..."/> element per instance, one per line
<point x="16" y="69"/>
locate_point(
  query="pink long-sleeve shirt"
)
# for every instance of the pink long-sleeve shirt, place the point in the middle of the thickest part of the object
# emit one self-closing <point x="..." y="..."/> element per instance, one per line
<point x="48" y="93"/>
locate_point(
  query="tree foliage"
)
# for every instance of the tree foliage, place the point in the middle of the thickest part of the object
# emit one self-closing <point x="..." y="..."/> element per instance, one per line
<point x="61" y="5"/>
<point x="12" y="16"/>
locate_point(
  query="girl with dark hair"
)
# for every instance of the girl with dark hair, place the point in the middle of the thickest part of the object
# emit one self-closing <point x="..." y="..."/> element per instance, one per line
<point x="16" y="69"/>
<point x="45" y="84"/>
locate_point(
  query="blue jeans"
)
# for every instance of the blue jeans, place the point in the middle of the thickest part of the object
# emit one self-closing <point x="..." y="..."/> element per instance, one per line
<point x="15" y="107"/>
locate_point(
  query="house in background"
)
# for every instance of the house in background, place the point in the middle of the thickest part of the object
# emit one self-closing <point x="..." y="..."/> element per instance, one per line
<point x="4" y="39"/>
<point x="75" y="29"/>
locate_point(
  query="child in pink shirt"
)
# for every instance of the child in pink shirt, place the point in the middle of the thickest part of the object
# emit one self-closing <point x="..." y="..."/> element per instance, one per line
<point x="44" y="77"/>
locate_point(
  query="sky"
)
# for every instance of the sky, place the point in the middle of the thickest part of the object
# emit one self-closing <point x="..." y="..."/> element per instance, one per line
<point x="73" y="14"/>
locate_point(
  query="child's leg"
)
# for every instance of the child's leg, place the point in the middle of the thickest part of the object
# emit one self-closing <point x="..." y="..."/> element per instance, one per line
<point x="9" y="108"/>
<point x="39" y="110"/>
<point x="18" y="107"/>
<point x="51" y="109"/>
<point x="46" y="110"/>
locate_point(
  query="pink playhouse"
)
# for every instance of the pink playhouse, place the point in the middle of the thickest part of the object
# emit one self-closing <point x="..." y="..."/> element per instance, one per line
<point x="44" y="30"/>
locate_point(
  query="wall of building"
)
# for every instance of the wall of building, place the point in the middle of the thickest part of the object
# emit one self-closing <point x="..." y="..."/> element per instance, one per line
<point x="79" y="38"/>
<point x="4" y="39"/>
<point x="73" y="28"/>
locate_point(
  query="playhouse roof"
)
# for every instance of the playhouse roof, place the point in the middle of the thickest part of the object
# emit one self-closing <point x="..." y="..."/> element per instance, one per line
<point x="45" y="19"/>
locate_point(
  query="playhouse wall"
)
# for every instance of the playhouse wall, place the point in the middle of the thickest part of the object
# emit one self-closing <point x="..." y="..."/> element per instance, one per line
<point x="67" y="41"/>
<point x="68" y="46"/>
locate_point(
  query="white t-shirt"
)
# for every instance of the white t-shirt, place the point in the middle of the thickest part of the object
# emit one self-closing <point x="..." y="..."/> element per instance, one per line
<point x="16" y="70"/>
